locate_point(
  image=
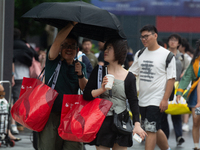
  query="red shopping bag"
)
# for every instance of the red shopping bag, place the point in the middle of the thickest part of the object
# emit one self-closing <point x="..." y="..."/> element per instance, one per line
<point x="80" y="119"/>
<point x="34" y="105"/>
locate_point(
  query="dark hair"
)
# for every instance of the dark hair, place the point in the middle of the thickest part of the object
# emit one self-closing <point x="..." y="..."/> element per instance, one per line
<point x="197" y="52"/>
<point x="161" y="43"/>
<point x="191" y="50"/>
<point x="17" y="33"/>
<point x="149" y="28"/>
<point x="72" y="36"/>
<point x="185" y="44"/>
<point x="120" y="49"/>
<point x="176" y="36"/>
<point x="86" y="40"/>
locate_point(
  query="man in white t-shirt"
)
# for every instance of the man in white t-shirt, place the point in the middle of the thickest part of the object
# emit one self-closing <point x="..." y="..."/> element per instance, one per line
<point x="155" y="86"/>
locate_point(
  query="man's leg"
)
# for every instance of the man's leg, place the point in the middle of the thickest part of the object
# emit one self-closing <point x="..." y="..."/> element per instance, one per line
<point x="177" y="123"/>
<point x="165" y="124"/>
<point x="161" y="140"/>
<point x="71" y="145"/>
<point x="151" y="122"/>
<point x="150" y="141"/>
<point x="48" y="138"/>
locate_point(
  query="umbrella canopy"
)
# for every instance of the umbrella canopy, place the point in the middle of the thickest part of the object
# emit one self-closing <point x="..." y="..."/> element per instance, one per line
<point x="93" y="22"/>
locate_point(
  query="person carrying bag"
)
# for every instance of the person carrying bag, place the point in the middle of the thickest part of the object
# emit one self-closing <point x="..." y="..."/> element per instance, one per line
<point x="35" y="102"/>
<point x="70" y="78"/>
<point x="124" y="87"/>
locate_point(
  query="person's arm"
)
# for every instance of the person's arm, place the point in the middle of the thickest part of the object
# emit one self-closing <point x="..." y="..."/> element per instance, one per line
<point x="81" y="78"/>
<point x="169" y="87"/>
<point x="185" y="81"/>
<point x="186" y="63"/>
<point x="13" y="77"/>
<point x="61" y="36"/>
<point x="171" y="75"/>
<point x="91" y="91"/>
<point x="91" y="84"/>
<point x="101" y="90"/>
<point x="131" y="94"/>
<point x="100" y="63"/>
<point x="198" y="95"/>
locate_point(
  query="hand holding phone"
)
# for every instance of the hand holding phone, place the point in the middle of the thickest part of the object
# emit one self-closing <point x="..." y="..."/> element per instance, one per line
<point x="137" y="138"/>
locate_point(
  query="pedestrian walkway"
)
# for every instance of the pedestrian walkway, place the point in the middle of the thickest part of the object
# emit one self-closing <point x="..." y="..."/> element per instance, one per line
<point x="26" y="144"/>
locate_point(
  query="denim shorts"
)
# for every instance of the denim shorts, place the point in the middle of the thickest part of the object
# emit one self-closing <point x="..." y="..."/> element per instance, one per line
<point x="150" y="118"/>
<point x="193" y="98"/>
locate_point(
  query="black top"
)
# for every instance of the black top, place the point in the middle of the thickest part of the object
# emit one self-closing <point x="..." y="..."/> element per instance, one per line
<point x="130" y="90"/>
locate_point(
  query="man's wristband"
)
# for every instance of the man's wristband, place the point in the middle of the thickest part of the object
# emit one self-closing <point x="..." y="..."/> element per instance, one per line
<point x="81" y="76"/>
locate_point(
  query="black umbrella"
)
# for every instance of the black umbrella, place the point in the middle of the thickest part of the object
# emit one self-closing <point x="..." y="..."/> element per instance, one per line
<point x="94" y="22"/>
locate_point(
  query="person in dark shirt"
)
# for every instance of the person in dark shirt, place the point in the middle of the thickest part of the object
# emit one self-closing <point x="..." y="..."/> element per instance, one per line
<point x="71" y="77"/>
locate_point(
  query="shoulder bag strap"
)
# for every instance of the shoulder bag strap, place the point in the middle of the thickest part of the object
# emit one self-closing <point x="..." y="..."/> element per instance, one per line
<point x="55" y="75"/>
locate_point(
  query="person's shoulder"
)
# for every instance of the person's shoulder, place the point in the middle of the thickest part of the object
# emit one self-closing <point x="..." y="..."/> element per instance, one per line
<point x="164" y="49"/>
<point x="93" y="55"/>
<point x="165" y="52"/>
<point x="130" y="76"/>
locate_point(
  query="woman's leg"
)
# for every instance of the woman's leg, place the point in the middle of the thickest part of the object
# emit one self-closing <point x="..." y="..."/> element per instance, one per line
<point x="196" y="125"/>
<point x="102" y="148"/>
<point x="117" y="147"/>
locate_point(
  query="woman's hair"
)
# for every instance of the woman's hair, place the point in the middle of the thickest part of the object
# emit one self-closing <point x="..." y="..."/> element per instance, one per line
<point x="120" y="49"/>
<point x="197" y="51"/>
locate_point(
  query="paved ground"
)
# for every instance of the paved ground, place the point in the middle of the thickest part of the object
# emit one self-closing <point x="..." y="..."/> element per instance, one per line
<point x="25" y="143"/>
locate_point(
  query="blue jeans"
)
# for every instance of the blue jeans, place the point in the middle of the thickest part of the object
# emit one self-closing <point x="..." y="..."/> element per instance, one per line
<point x="177" y="123"/>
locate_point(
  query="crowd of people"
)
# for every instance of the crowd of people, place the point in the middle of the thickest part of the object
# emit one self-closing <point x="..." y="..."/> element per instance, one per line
<point x="155" y="77"/>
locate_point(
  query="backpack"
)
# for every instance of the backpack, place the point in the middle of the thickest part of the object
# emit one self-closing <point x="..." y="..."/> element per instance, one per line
<point x="168" y="59"/>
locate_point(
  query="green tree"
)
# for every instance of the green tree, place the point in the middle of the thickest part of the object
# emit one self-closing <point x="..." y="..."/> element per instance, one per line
<point x="29" y="26"/>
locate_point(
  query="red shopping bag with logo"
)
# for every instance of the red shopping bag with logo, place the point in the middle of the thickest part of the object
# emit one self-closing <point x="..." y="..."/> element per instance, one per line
<point x="34" y="105"/>
<point x="80" y="119"/>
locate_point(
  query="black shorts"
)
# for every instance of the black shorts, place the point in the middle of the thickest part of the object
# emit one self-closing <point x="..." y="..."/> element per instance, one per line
<point x="150" y="118"/>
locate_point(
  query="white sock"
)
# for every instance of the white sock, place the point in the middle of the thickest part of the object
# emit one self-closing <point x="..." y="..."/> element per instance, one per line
<point x="196" y="145"/>
<point x="169" y="148"/>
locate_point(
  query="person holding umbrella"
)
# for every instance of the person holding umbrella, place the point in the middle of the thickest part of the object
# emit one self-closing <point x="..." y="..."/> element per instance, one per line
<point x="71" y="77"/>
<point x="115" y="51"/>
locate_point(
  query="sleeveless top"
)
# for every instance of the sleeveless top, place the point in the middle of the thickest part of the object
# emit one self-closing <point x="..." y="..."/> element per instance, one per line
<point x="118" y="97"/>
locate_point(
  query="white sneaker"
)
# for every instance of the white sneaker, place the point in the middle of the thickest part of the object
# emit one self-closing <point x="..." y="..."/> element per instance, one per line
<point x="14" y="129"/>
<point x="185" y="127"/>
